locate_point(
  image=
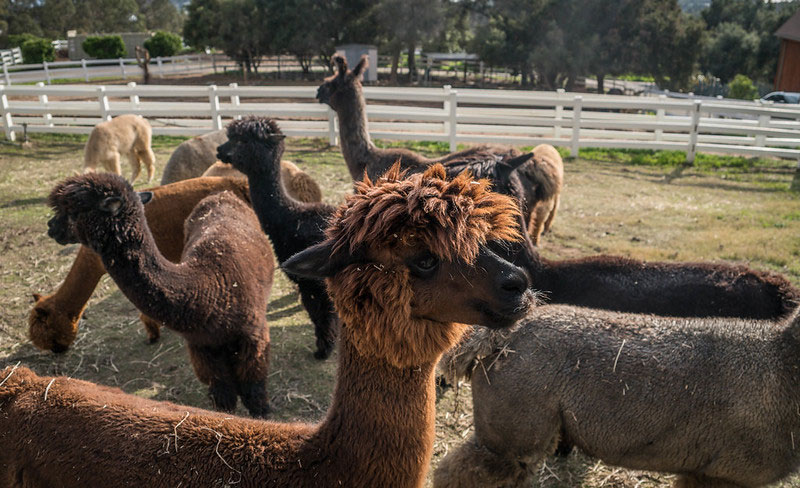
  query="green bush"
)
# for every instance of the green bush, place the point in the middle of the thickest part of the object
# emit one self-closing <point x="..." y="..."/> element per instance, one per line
<point x="742" y="88"/>
<point x="104" y="47"/>
<point x="37" y="50"/>
<point x="163" y="44"/>
<point x="17" y="40"/>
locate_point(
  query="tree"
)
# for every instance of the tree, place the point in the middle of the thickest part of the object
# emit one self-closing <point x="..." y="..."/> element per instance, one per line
<point x="163" y="44"/>
<point x="160" y="15"/>
<point x="201" y="27"/>
<point x="729" y="50"/>
<point x="742" y="88"/>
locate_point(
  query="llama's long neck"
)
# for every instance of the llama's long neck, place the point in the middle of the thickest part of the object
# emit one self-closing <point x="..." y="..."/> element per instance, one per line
<point x="357" y="148"/>
<point x="156" y="286"/>
<point x="383" y="417"/>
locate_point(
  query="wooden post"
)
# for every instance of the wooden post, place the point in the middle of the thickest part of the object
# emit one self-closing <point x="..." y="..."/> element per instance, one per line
<point x="576" y="126"/>
<point x="693" y="130"/>
<point x="122" y="68"/>
<point x="160" y="67"/>
<point x="763" y="121"/>
<point x="6" y="75"/>
<point x="559" y="113"/>
<point x="46" y="72"/>
<point x="48" y="118"/>
<point x="213" y="98"/>
<point x="795" y="181"/>
<point x="235" y="100"/>
<point x="214" y="62"/>
<point x="85" y="70"/>
<point x="453" y="126"/>
<point x="332" y="127"/>
<point x="134" y="96"/>
<point x="105" y="109"/>
<point x="5" y="111"/>
<point x="660" y="114"/>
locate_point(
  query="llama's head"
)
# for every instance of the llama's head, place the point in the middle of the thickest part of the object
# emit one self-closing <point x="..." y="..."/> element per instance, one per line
<point x="343" y="87"/>
<point x="95" y="209"/>
<point x="49" y="328"/>
<point x="255" y="144"/>
<point x="407" y="262"/>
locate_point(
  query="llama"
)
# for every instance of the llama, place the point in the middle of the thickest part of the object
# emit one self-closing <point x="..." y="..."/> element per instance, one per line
<point x="297" y="183"/>
<point x="255" y="146"/>
<point x="343" y="93"/>
<point x="406" y="264"/>
<point x="191" y="158"/>
<point x="53" y="321"/>
<point x="711" y="400"/>
<point x="123" y="136"/>
<point x="215" y="297"/>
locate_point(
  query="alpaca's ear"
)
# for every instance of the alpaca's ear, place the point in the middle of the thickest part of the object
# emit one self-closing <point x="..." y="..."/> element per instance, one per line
<point x="361" y="66"/>
<point x="111" y="205"/>
<point x="277" y="137"/>
<point x="36" y="297"/>
<point x="145" y="196"/>
<point x="505" y="168"/>
<point x="341" y="63"/>
<point x="319" y="261"/>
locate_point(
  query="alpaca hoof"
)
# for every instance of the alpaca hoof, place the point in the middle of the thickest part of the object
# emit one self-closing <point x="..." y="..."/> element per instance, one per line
<point x="260" y="413"/>
<point x="152" y="340"/>
<point x="322" y="354"/>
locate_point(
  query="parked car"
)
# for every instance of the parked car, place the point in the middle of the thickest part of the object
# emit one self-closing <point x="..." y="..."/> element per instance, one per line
<point x="782" y="97"/>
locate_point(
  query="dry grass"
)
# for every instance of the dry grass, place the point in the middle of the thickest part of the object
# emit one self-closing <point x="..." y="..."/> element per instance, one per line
<point x="606" y="207"/>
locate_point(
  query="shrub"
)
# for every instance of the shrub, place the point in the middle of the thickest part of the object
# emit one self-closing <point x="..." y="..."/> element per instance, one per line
<point x="163" y="44"/>
<point x="17" y="40"/>
<point x="37" y="50"/>
<point x="742" y="88"/>
<point x="104" y="47"/>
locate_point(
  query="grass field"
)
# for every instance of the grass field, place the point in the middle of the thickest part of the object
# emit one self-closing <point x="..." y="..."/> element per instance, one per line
<point x="620" y="202"/>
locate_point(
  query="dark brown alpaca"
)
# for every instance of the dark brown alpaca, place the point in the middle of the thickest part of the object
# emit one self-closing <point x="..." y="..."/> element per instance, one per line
<point x="215" y="297"/>
<point x="343" y="92"/>
<point x="53" y="320"/>
<point x="406" y="263"/>
<point x="712" y="400"/>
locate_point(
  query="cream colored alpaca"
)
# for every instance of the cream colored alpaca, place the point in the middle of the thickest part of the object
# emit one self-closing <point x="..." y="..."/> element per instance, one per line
<point x="548" y="169"/>
<point x="123" y="136"/>
<point x="298" y="184"/>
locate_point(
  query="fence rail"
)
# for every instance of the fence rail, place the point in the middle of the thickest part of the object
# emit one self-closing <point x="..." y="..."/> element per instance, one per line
<point x="432" y="114"/>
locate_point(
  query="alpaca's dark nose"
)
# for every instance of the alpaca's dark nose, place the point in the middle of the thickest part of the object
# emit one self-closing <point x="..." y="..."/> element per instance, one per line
<point x="514" y="281"/>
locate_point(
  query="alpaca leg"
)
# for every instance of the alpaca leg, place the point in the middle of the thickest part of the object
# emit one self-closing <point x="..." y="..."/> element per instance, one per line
<point x="552" y="216"/>
<point x="474" y="465"/>
<point x="212" y="368"/>
<point x="538" y="217"/>
<point x="320" y="310"/>
<point x="152" y="327"/>
<point x="255" y="398"/>
<point x="136" y="165"/>
<point x="145" y="156"/>
<point x="112" y="163"/>
<point x="252" y="367"/>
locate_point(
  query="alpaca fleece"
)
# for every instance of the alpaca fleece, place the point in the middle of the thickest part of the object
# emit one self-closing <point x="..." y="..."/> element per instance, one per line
<point x="215" y="297"/>
<point x="712" y="400"/>
<point x="123" y="136"/>
<point x="53" y="320"/>
<point x="379" y="430"/>
<point x="191" y="158"/>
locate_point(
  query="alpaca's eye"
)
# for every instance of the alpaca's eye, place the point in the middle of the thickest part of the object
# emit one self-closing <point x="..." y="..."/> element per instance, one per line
<point x="424" y="265"/>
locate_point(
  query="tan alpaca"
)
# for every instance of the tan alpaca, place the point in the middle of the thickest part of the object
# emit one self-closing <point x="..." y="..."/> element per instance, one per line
<point x="298" y="184"/>
<point x="547" y="168"/>
<point x="123" y="136"/>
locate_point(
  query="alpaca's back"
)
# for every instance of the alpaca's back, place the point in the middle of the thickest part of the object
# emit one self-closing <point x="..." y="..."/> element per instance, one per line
<point x="191" y="158"/>
<point x="711" y="396"/>
<point x="547" y="169"/>
<point x="126" y="136"/>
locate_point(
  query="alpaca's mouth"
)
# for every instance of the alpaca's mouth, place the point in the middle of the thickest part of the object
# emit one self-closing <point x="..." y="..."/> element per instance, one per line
<point x="59" y="232"/>
<point x="503" y="317"/>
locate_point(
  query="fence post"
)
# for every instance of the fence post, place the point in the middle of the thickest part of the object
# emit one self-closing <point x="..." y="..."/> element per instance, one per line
<point x="6" y="113"/>
<point x="46" y="72"/>
<point x="134" y="96"/>
<point x="122" y="68"/>
<point x="559" y="113"/>
<point x="693" y="130"/>
<point x="48" y="118"/>
<point x="795" y="186"/>
<point x="85" y="70"/>
<point x="214" y="62"/>
<point x="660" y="113"/>
<point x="453" y="106"/>
<point x="235" y="99"/>
<point x="763" y="121"/>
<point x="213" y="98"/>
<point x="576" y="126"/>
<point x="6" y="75"/>
<point x="160" y="67"/>
<point x="332" y="127"/>
<point x="105" y="109"/>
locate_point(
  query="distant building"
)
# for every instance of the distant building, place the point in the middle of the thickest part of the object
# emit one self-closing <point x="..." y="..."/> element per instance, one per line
<point x="353" y="52"/>
<point x="787" y="78"/>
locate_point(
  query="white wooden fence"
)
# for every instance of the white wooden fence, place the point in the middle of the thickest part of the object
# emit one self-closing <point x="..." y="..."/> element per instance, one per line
<point x="430" y="114"/>
<point x="11" y="56"/>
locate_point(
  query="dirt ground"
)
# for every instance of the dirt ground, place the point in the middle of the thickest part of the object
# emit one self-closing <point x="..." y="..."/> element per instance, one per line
<point x="718" y="215"/>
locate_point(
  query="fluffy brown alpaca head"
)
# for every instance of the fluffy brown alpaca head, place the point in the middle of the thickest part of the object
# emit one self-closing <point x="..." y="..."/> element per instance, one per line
<point x="407" y="262"/>
<point x="49" y="328"/>
<point x="253" y="144"/>
<point x="341" y="87"/>
<point x="93" y="209"/>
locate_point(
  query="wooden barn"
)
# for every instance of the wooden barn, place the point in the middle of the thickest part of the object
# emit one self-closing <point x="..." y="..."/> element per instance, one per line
<point x="787" y="77"/>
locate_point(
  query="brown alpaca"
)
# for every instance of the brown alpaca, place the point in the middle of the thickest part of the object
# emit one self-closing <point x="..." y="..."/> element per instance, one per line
<point x="215" y="297"/>
<point x="406" y="262"/>
<point x="712" y="400"/>
<point x="547" y="169"/>
<point x="343" y="92"/>
<point x="123" y="136"/>
<point x="53" y="320"/>
<point x="297" y="183"/>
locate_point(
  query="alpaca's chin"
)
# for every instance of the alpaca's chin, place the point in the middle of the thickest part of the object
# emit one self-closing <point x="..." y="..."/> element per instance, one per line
<point x="510" y="314"/>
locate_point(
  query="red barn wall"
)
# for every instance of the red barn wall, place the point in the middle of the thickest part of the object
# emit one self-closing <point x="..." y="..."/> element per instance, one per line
<point x="788" y="76"/>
